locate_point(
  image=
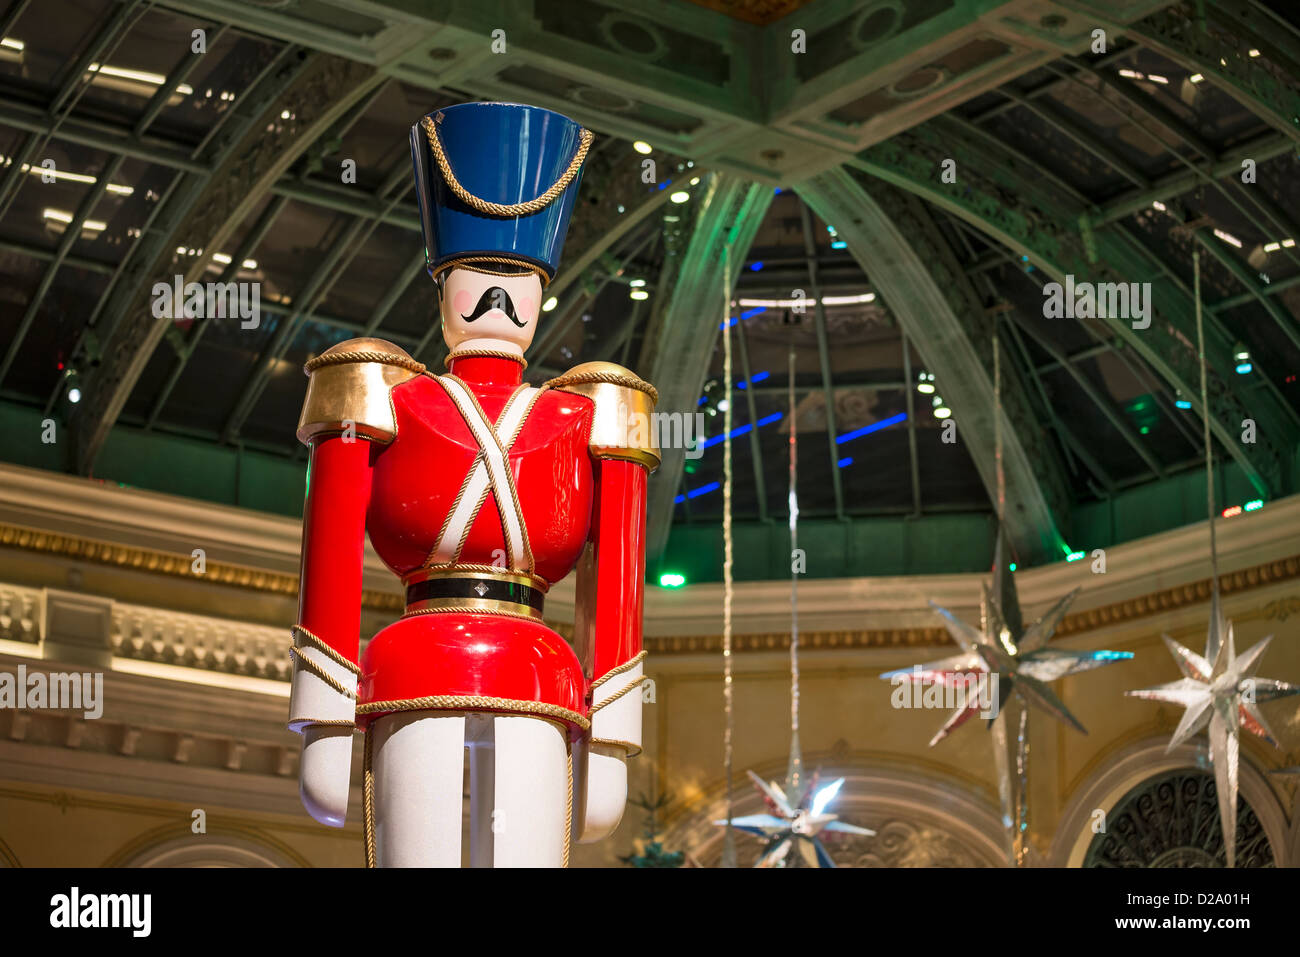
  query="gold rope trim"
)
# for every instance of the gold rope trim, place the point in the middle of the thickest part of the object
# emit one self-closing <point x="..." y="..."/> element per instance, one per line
<point x="535" y="619"/>
<point x="320" y="673"/>
<point x="625" y="666"/>
<point x="568" y="804"/>
<point x="446" y="702"/>
<point x="494" y="569"/>
<point x="499" y="209"/>
<point x="486" y="354"/>
<point x="632" y="749"/>
<point x="362" y="355"/>
<point x="368" y="798"/>
<point x="468" y="262"/>
<point x="321" y="646"/>
<point x="618" y="694"/>
<point x="612" y="378"/>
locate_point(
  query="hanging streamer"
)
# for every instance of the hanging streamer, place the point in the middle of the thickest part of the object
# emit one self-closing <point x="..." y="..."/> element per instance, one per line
<point x="729" y="839"/>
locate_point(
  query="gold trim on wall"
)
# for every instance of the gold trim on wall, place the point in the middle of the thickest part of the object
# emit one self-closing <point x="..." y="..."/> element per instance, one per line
<point x="239" y="576"/>
<point x="158" y="562"/>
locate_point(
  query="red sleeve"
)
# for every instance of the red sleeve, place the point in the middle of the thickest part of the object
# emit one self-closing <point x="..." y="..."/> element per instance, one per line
<point x="334" y="542"/>
<point x="612" y="585"/>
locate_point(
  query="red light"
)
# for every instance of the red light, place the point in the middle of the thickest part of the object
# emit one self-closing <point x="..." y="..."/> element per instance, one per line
<point x="1230" y="512"/>
<point x="60" y="366"/>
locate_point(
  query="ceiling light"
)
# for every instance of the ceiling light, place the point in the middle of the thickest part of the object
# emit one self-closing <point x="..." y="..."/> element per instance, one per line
<point x="680" y="196"/>
<point x="550" y="304"/>
<point x="1196" y="77"/>
<point x="672" y="580"/>
<point x="1158" y="205"/>
<point x="1131" y="74"/>
<point x="60" y="216"/>
<point x="1272" y="247"/>
<point x="1254" y="53"/>
<point x="839" y="244"/>
<point x="1157" y="78"/>
<point x="942" y="412"/>
<point x="13" y="44"/>
<point x="138" y="76"/>
<point x="1288" y="243"/>
<point x="848" y="300"/>
<point x="1244" y="368"/>
<point x="642" y="147"/>
<point x="1228" y="238"/>
<point x="636" y="283"/>
<point x="638" y="294"/>
<point x="695" y="181"/>
<point x="1240" y="352"/>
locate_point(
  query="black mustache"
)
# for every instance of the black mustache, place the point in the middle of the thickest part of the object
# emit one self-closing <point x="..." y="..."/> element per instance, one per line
<point x="489" y="300"/>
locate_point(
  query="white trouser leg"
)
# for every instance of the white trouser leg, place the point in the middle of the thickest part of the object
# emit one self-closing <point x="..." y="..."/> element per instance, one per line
<point x="418" y="763"/>
<point x="482" y="787"/>
<point x="530" y="811"/>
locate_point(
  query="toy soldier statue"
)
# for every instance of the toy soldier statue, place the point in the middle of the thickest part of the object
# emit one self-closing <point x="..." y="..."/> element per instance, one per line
<point x="479" y="492"/>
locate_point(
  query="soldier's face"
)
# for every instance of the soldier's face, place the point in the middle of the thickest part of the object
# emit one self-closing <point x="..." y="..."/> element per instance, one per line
<point x="482" y="311"/>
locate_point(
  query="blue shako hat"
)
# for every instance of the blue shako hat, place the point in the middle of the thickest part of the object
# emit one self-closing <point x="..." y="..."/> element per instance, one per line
<point x="496" y="181"/>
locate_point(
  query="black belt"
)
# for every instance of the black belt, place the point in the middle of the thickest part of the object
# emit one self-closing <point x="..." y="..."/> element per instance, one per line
<point x="475" y="590"/>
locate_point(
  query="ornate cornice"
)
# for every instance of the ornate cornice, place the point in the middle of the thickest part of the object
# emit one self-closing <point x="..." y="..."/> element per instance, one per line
<point x="158" y="562"/>
<point x="1104" y="616"/>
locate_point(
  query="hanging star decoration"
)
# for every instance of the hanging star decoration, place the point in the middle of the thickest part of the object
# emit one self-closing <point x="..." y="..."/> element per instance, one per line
<point x="796" y="819"/>
<point x="1015" y="657"/>
<point x="1220" y="690"/>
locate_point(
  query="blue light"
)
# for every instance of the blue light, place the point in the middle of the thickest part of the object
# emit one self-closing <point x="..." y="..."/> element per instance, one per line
<point x="756" y="377"/>
<point x="769" y="419"/>
<point x="845" y="461"/>
<point x="1182" y="403"/>
<point x="747" y="314"/>
<point x="679" y="499"/>
<point x="1243" y="368"/>
<point x="777" y="191"/>
<point x="703" y="399"/>
<point x="704" y="490"/>
<point x="839" y="244"/>
<point x="665" y="184"/>
<point x="873" y="427"/>
<point x="755" y="267"/>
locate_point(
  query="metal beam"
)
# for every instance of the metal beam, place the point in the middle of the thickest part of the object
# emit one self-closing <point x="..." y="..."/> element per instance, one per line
<point x="247" y="246"/>
<point x="898" y="248"/>
<point x="328" y="271"/>
<point x="823" y="355"/>
<point x="688" y="317"/>
<point x="204" y="213"/>
<point x="1008" y="198"/>
<point x="70" y="235"/>
<point x="914" y="463"/>
<point x="755" y="446"/>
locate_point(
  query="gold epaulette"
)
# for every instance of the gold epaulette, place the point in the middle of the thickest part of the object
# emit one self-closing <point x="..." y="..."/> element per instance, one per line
<point x="623" y="426"/>
<point x="350" y="385"/>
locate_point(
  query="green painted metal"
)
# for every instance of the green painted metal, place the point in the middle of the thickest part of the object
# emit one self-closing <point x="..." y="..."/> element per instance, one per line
<point x="892" y="238"/>
<point x="1006" y="196"/>
<point x="686" y="322"/>
<point x="204" y="213"/>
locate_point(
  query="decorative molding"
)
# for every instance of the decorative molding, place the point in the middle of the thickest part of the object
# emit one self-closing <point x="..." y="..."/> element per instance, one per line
<point x="158" y="562"/>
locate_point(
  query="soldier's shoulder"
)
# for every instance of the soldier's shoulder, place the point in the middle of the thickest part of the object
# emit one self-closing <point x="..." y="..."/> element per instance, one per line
<point x="588" y="377"/>
<point x="364" y="349"/>
<point x="349" y="389"/>
<point x="621" y="426"/>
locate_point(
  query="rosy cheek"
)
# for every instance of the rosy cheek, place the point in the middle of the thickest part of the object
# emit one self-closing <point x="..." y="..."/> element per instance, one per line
<point x="527" y="308"/>
<point x="462" y="302"/>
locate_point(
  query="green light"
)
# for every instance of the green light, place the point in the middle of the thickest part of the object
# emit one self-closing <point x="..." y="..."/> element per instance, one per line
<point x="1012" y="566"/>
<point x="1144" y="430"/>
<point x="672" y="580"/>
<point x="1073" y="556"/>
<point x="1254" y="504"/>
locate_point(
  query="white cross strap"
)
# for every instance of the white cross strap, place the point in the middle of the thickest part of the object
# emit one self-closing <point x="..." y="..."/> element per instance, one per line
<point x="490" y="472"/>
